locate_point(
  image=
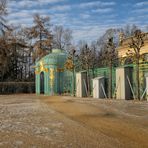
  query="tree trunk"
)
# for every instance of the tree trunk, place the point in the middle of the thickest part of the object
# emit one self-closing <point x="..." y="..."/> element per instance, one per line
<point x="88" y="82"/>
<point x="137" y="77"/>
<point x="110" y="80"/>
<point x="73" y="82"/>
<point x="73" y="72"/>
<point x="29" y="65"/>
<point x="93" y="71"/>
<point x="40" y="40"/>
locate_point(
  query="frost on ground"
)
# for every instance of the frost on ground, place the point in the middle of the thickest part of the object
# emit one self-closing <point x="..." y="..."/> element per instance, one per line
<point x="26" y="121"/>
<point x="30" y="121"/>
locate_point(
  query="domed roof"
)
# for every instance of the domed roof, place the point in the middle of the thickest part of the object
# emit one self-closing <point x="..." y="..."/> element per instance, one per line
<point x="57" y="57"/>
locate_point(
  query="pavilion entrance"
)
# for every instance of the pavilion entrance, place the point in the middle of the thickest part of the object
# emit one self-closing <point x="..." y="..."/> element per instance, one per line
<point x="42" y="82"/>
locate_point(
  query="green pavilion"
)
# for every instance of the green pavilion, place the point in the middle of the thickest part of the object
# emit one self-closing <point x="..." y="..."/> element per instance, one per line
<point x="51" y="77"/>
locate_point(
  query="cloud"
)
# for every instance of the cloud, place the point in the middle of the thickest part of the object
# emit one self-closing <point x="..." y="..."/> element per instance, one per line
<point x="138" y="19"/>
<point x="21" y="22"/>
<point x="88" y="20"/>
<point x="91" y="32"/>
<point x="22" y="4"/>
<point x="50" y="1"/>
<point x="60" y="8"/>
<point x="140" y="4"/>
<point x="101" y="10"/>
<point x="85" y="16"/>
<point x="98" y="3"/>
<point x="26" y="13"/>
<point x="141" y="10"/>
<point x="32" y="3"/>
<point x="19" y="15"/>
<point x="59" y="19"/>
<point x="86" y="32"/>
<point x="126" y="4"/>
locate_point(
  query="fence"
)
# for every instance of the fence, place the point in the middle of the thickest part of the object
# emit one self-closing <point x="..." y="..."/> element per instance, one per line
<point x="29" y="87"/>
<point x="17" y="87"/>
<point x="143" y="72"/>
<point x="68" y="83"/>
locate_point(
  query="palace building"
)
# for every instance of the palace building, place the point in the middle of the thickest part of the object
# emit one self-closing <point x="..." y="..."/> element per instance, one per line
<point x="124" y="47"/>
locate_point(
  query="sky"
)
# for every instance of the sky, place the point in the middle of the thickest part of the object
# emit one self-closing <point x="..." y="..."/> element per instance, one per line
<point x="88" y="19"/>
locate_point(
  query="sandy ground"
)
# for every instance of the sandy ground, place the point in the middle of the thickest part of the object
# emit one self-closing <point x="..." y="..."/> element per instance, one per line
<point x="30" y="121"/>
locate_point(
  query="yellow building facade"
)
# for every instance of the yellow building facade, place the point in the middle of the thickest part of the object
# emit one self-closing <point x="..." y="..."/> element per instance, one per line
<point x="124" y="47"/>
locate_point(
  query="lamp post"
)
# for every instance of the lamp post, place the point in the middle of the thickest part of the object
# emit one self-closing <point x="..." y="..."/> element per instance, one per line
<point x="110" y="57"/>
<point x="73" y="60"/>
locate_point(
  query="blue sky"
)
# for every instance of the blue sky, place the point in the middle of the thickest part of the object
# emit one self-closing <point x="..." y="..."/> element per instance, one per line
<point x="87" y="18"/>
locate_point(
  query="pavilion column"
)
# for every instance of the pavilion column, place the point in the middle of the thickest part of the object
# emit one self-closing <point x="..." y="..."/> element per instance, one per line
<point x="147" y="88"/>
<point x="45" y="83"/>
<point x="37" y="84"/>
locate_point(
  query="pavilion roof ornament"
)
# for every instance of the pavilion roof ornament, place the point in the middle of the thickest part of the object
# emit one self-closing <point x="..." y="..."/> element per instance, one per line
<point x="41" y="66"/>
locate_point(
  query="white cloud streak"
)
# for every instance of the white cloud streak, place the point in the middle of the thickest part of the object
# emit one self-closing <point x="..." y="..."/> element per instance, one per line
<point x="98" y="3"/>
<point x="141" y="10"/>
<point x="103" y="10"/>
<point x="141" y="4"/>
<point x="61" y="8"/>
<point x="81" y="17"/>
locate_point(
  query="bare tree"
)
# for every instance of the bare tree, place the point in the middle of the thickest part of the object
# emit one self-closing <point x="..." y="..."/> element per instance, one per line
<point x="136" y="43"/>
<point x="12" y="50"/>
<point x="62" y="38"/>
<point x="71" y="65"/>
<point x="129" y="30"/>
<point x="16" y="45"/>
<point x="94" y="56"/>
<point x="25" y="58"/>
<point x="4" y="58"/>
<point x="3" y="13"/>
<point x="109" y="56"/>
<point x="85" y="60"/>
<point x="41" y="33"/>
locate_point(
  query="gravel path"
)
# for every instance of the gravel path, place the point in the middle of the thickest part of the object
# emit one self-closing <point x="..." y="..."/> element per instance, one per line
<point x="29" y="121"/>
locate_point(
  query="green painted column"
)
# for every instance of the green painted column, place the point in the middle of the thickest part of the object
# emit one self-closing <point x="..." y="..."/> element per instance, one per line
<point x="48" y="83"/>
<point x="45" y="83"/>
<point x="37" y="84"/>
